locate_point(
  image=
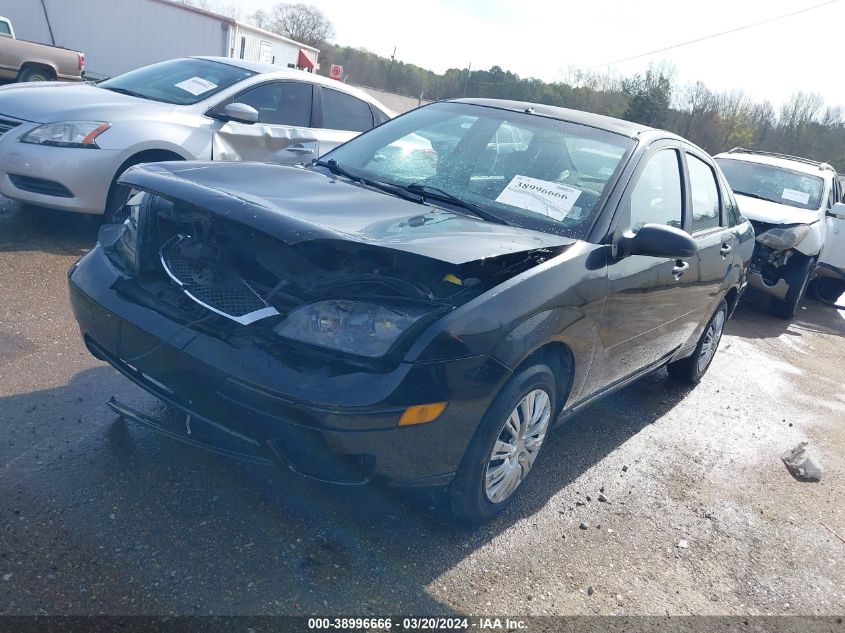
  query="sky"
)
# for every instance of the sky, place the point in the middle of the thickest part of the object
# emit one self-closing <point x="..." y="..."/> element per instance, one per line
<point x="546" y="39"/>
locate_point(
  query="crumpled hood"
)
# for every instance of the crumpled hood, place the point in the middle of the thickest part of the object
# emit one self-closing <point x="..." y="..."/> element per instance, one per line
<point x="53" y="101"/>
<point x="296" y="205"/>
<point x="774" y="213"/>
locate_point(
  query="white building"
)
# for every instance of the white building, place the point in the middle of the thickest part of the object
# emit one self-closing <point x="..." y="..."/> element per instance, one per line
<point x="119" y="35"/>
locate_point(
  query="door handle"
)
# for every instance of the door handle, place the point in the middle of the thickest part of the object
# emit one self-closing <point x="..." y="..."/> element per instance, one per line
<point x="300" y="149"/>
<point x="680" y="268"/>
<point x="725" y="250"/>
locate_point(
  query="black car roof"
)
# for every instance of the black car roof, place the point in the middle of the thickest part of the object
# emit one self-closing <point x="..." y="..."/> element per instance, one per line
<point x="611" y="124"/>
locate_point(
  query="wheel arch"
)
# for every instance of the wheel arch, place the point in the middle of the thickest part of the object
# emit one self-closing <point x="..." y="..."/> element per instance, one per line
<point x="560" y="359"/>
<point x="35" y="65"/>
<point x="147" y="156"/>
<point x="731" y="299"/>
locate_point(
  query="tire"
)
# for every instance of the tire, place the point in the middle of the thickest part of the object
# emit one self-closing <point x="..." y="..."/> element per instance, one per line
<point x="797" y="275"/>
<point x="35" y="74"/>
<point x="692" y="368"/>
<point x="827" y="290"/>
<point x="471" y="499"/>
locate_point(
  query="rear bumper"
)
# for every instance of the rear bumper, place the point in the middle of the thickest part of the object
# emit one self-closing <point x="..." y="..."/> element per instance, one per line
<point x="327" y="423"/>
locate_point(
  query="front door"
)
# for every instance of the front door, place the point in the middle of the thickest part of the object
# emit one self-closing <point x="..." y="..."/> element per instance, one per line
<point x="833" y="250"/>
<point x="652" y="301"/>
<point x="283" y="133"/>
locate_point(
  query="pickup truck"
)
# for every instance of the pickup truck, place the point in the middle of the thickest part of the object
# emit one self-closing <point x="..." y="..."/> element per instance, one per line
<point x="28" y="61"/>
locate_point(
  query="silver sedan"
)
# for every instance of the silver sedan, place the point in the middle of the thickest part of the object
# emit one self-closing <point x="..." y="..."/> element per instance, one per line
<point x="64" y="145"/>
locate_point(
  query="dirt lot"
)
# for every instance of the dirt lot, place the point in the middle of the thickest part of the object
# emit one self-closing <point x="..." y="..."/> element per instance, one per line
<point x="98" y="516"/>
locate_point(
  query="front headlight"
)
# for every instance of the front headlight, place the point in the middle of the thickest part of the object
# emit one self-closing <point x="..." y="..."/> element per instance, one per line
<point x="784" y="237"/>
<point x="357" y="327"/>
<point x="81" y="134"/>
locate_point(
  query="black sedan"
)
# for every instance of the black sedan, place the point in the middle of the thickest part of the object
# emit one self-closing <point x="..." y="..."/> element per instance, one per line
<point x="422" y="304"/>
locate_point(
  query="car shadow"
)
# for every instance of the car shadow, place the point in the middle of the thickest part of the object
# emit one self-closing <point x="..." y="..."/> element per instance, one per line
<point x="28" y="228"/>
<point x="752" y="320"/>
<point x="177" y="528"/>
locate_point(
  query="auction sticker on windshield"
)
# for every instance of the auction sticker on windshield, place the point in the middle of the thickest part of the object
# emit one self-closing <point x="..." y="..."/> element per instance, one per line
<point x="544" y="197"/>
<point x="196" y="85"/>
<point x="800" y="197"/>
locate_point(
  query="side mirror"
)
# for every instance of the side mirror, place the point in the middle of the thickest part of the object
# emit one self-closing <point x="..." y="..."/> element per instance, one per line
<point x="241" y="112"/>
<point x="837" y="210"/>
<point x="657" y="240"/>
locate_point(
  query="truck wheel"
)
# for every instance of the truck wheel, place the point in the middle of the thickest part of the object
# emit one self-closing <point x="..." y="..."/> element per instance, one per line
<point x="826" y="289"/>
<point x="505" y="445"/>
<point x="797" y="275"/>
<point x="35" y="74"/>
<point x="692" y="368"/>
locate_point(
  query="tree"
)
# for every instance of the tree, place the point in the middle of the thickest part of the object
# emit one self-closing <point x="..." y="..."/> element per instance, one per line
<point x="220" y="7"/>
<point x="299" y="22"/>
<point x="649" y="96"/>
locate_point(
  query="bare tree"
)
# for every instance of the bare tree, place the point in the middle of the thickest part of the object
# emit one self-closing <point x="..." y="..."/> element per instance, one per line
<point x="299" y="22"/>
<point x="261" y="19"/>
<point x="220" y="7"/>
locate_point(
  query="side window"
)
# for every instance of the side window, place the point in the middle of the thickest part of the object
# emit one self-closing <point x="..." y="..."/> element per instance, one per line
<point x="344" y="112"/>
<point x="283" y="103"/>
<point x="837" y="186"/>
<point x="831" y="195"/>
<point x="657" y="196"/>
<point x="4" y="28"/>
<point x="380" y="116"/>
<point x="705" y="195"/>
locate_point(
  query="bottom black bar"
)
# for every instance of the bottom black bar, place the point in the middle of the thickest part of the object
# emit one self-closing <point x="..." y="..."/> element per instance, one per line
<point x="530" y="624"/>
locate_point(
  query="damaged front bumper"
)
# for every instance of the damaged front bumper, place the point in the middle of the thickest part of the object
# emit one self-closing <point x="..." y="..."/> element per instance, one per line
<point x="335" y="424"/>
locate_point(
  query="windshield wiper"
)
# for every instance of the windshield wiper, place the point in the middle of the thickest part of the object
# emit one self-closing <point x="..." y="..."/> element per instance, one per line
<point x="125" y="91"/>
<point x="333" y="166"/>
<point x="752" y="195"/>
<point x="435" y="193"/>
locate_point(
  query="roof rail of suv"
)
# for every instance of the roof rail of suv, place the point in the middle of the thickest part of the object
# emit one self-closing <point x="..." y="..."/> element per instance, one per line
<point x="742" y="150"/>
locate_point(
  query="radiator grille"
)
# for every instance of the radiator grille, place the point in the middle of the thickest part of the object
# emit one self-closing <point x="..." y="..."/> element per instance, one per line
<point x="230" y="296"/>
<point x="6" y="125"/>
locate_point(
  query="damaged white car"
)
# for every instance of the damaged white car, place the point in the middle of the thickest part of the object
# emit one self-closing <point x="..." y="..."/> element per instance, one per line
<point x="797" y="210"/>
<point x="65" y="145"/>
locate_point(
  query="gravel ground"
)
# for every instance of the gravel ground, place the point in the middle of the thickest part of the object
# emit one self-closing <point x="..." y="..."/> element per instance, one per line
<point x="700" y="517"/>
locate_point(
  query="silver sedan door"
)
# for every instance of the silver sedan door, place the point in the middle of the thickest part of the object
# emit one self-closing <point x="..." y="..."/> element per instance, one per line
<point x="283" y="133"/>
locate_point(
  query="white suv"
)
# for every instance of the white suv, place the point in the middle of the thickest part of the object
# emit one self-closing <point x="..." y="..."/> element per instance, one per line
<point x="796" y="207"/>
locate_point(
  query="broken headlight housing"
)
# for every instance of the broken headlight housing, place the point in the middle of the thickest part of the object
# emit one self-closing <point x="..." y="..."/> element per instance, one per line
<point x="126" y="244"/>
<point x="355" y="327"/>
<point x="782" y="238"/>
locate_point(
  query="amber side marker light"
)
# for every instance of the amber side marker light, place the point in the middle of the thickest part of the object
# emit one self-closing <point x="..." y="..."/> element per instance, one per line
<point x="422" y="413"/>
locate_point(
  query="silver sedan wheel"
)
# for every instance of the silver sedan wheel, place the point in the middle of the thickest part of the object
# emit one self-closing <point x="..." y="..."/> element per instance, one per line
<point x="711" y="340"/>
<point x="517" y="445"/>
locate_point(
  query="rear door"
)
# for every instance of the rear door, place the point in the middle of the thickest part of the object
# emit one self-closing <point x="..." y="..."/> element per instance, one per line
<point x="342" y="117"/>
<point x="708" y="223"/>
<point x="652" y="302"/>
<point x="283" y="133"/>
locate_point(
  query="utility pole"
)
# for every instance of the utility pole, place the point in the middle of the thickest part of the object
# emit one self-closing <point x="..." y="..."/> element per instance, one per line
<point x="390" y="68"/>
<point x="49" y="26"/>
<point x="466" y="83"/>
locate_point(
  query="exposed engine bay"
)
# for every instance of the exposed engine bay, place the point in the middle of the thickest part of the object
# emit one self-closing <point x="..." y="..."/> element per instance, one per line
<point x="246" y="276"/>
